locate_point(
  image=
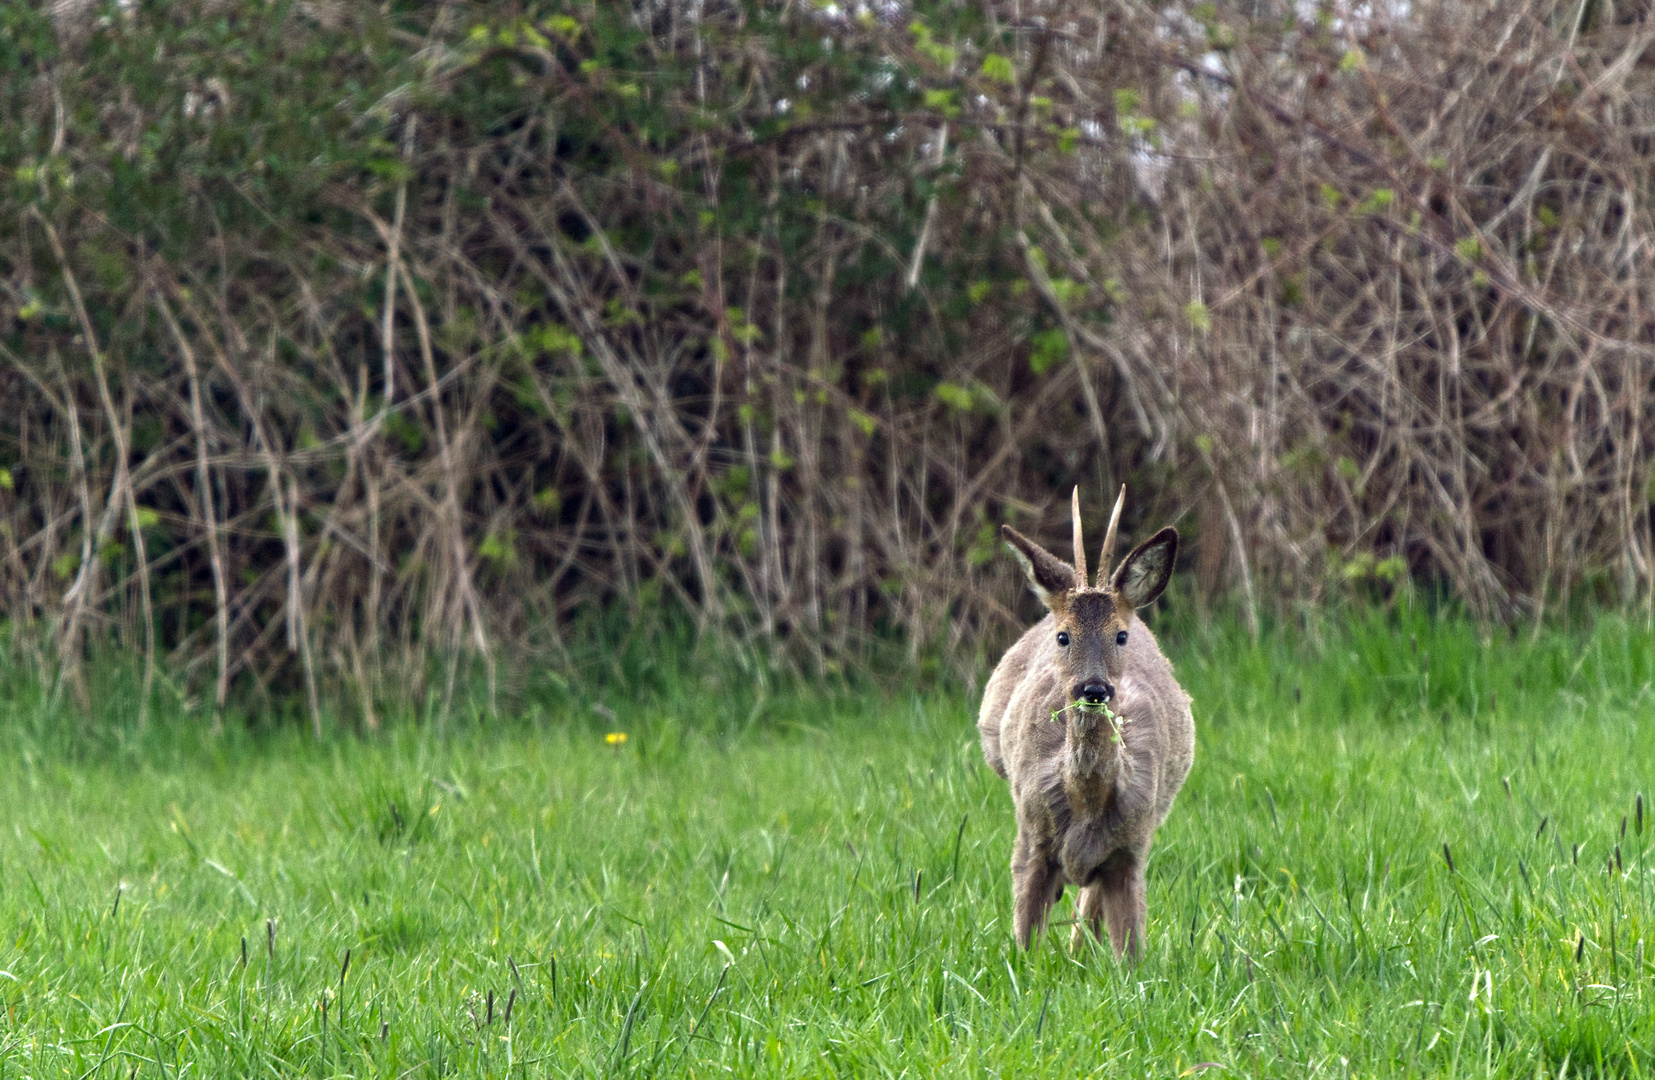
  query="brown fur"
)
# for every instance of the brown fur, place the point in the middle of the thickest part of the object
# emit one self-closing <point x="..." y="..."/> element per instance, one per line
<point x="1087" y="805"/>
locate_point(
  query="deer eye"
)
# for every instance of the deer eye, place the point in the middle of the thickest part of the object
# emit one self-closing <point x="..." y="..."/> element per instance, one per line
<point x="1063" y="638"/>
<point x="1120" y="639"/>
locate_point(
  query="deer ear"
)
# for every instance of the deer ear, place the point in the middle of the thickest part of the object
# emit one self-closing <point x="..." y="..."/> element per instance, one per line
<point x="1050" y="575"/>
<point x="1145" y="572"/>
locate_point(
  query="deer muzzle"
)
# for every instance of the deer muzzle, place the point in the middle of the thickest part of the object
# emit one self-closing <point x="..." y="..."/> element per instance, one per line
<point x="1094" y="694"/>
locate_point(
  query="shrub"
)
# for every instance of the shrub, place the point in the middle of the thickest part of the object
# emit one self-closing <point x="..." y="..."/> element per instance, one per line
<point x="340" y="337"/>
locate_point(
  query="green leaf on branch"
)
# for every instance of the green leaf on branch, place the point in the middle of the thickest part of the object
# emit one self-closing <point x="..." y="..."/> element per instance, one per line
<point x="953" y="395"/>
<point x="499" y="548"/>
<point x="1050" y="348"/>
<point x="1379" y="200"/>
<point x="999" y="68"/>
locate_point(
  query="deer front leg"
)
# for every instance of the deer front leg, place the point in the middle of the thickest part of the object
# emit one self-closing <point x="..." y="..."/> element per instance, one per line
<point x="1035" y="886"/>
<point x="1088" y="916"/>
<point x="1120" y="882"/>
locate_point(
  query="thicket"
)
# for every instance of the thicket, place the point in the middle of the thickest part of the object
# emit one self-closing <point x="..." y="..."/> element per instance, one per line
<point x="339" y="338"/>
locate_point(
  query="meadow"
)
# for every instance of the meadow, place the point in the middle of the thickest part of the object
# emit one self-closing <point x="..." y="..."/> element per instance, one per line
<point x="1406" y="849"/>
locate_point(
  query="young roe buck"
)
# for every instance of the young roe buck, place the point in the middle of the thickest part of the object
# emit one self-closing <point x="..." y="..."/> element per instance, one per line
<point x="1085" y="719"/>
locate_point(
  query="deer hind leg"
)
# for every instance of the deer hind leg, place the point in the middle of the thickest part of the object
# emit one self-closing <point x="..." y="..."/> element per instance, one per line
<point x="1035" y="888"/>
<point x="1088" y="916"/>
<point x="1120" y="884"/>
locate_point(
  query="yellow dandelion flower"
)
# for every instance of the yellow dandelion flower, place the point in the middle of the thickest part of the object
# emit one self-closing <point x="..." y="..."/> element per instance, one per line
<point x="615" y="738"/>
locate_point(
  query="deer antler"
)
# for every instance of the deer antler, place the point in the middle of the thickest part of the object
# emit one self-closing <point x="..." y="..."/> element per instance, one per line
<point x="1080" y="544"/>
<point x="1107" y="556"/>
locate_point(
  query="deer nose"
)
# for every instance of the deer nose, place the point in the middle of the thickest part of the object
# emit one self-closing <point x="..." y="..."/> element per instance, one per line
<point x="1096" y="693"/>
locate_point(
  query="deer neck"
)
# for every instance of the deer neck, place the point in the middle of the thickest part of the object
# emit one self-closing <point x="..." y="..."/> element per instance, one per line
<point x="1091" y="758"/>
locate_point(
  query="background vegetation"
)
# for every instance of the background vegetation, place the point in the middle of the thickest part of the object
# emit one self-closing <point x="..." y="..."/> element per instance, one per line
<point x="346" y="346"/>
<point x="1401" y="853"/>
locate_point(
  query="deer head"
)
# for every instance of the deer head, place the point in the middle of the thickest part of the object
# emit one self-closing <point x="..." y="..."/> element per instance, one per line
<point x="1094" y="622"/>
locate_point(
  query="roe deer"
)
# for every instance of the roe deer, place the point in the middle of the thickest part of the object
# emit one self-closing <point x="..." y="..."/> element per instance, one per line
<point x="1085" y="719"/>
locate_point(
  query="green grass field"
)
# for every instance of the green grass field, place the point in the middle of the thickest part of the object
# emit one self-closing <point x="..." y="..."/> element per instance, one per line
<point x="818" y="886"/>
